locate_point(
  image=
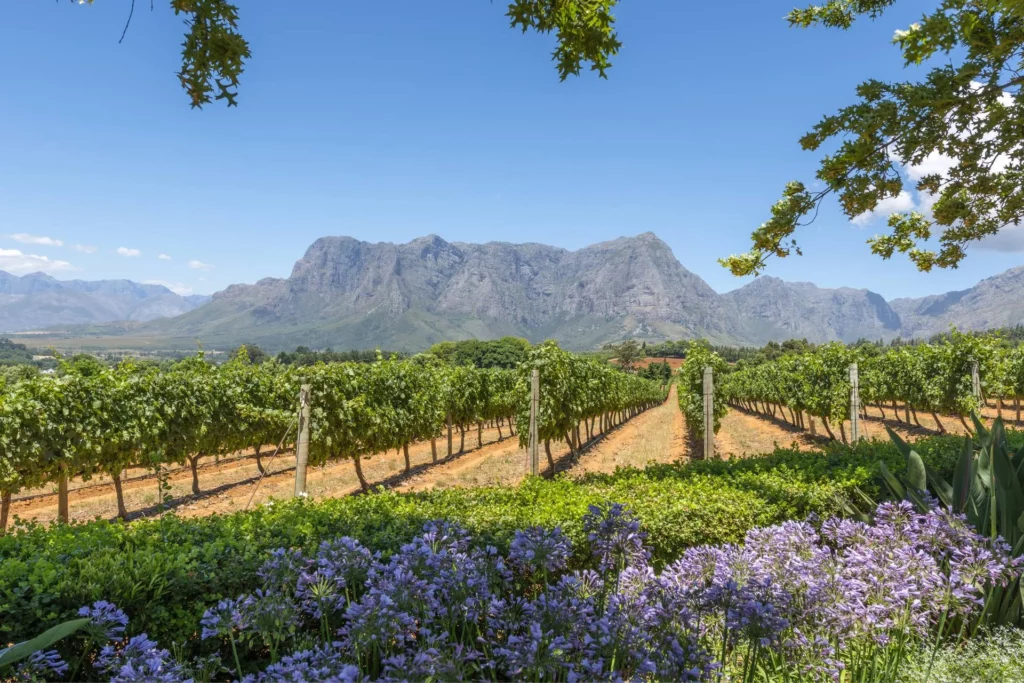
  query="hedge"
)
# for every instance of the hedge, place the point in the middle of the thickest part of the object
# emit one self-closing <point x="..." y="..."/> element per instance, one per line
<point x="165" y="572"/>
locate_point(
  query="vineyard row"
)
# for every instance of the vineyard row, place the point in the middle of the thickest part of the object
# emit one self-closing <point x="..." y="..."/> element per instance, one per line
<point x="53" y="429"/>
<point x="937" y="378"/>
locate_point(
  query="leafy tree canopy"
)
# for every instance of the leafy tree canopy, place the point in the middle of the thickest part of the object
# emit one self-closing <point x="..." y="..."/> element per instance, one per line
<point x="12" y="353"/>
<point x="82" y="364"/>
<point x="250" y="354"/>
<point x="507" y="352"/>
<point x="961" y="129"/>
<point x="214" y="53"/>
<point x="660" y="372"/>
<point x="628" y="353"/>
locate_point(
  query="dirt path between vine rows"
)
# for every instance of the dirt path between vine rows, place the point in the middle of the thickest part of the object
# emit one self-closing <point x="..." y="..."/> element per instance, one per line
<point x="656" y="435"/>
<point x="743" y="434"/>
<point x="749" y="432"/>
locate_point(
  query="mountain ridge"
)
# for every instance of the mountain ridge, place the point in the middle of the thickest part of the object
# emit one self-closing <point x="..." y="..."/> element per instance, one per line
<point x="345" y="292"/>
<point x="37" y="300"/>
<point x="349" y="293"/>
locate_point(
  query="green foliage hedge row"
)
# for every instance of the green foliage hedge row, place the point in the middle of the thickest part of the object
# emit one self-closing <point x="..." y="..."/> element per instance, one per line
<point x="165" y="572"/>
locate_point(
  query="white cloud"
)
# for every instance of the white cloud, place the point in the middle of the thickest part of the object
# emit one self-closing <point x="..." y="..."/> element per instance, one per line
<point x="125" y="251"/>
<point x="901" y="202"/>
<point x="84" y="248"/>
<point x="164" y="257"/>
<point x="13" y="261"/>
<point x="36" y="239"/>
<point x="176" y="287"/>
<point x="1009" y="239"/>
<point x="925" y="202"/>
<point x="934" y="163"/>
<point x="199" y="265"/>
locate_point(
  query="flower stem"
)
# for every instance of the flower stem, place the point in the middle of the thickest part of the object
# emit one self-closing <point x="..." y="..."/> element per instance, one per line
<point x="234" y="651"/>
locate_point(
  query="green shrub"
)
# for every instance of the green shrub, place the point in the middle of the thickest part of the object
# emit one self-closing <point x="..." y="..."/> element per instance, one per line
<point x="998" y="656"/>
<point x="165" y="572"/>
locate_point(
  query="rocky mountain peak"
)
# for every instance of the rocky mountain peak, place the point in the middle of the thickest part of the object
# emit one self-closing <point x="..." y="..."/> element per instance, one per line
<point x="347" y="293"/>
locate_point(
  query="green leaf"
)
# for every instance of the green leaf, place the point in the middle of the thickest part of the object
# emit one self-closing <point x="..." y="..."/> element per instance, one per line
<point x="917" y="475"/>
<point x="1009" y="494"/>
<point x="963" y="477"/>
<point x="902" y="446"/>
<point x="979" y="428"/>
<point x="896" y="489"/>
<point x="43" y="641"/>
<point x="1018" y="461"/>
<point x="983" y="465"/>
<point x="940" y="487"/>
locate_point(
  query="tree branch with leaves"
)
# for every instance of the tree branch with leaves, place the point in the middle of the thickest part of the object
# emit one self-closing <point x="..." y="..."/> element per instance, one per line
<point x="965" y="116"/>
<point x="214" y="53"/>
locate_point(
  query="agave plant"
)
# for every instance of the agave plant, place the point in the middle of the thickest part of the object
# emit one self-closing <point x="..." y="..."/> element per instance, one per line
<point x="987" y="488"/>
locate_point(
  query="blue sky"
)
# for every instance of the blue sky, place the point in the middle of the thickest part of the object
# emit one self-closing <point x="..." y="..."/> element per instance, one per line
<point x="387" y="121"/>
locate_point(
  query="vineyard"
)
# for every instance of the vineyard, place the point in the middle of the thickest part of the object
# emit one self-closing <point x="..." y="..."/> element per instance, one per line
<point x="947" y="380"/>
<point x="357" y="586"/>
<point x="107" y="421"/>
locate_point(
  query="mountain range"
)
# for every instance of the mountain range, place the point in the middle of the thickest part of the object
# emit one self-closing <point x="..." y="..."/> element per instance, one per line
<point x="38" y="301"/>
<point x="346" y="293"/>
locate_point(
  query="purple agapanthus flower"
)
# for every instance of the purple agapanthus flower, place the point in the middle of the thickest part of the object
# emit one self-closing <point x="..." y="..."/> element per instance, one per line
<point x="324" y="663"/>
<point x="807" y="602"/>
<point x="540" y="550"/>
<point x="225" y="618"/>
<point x="281" y="571"/>
<point x="141" y="659"/>
<point x="44" y="665"/>
<point x="615" y="537"/>
<point x="107" y="621"/>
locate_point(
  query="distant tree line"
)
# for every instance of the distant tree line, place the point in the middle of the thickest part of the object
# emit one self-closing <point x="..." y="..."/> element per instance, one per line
<point x="660" y="372"/>
<point x="303" y="356"/>
<point x="12" y="353"/>
<point x="507" y="352"/>
<point x="731" y="354"/>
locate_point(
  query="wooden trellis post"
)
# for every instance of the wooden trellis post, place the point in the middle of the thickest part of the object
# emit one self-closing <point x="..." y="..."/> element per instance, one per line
<point x="976" y="384"/>
<point x="709" y="413"/>
<point x="302" y="445"/>
<point x="854" y="404"/>
<point x="534" y="447"/>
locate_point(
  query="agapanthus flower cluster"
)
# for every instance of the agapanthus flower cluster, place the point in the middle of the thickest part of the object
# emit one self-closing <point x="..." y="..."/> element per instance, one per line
<point x="140" y="659"/>
<point x="797" y="600"/>
<point x="44" y="665"/>
<point x="223" y="619"/>
<point x="323" y="663"/>
<point x="540" y="551"/>
<point x="106" y="621"/>
<point x="615" y="537"/>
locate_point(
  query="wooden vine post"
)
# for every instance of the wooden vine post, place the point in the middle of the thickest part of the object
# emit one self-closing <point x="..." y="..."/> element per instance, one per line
<point x="302" y="445"/>
<point x="63" y="513"/>
<point x="854" y="404"/>
<point x="534" y="445"/>
<point x="976" y="384"/>
<point x="709" y="413"/>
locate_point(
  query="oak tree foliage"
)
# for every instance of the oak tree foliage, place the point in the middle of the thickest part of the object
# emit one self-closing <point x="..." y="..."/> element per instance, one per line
<point x="214" y="52"/>
<point x="961" y="126"/>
